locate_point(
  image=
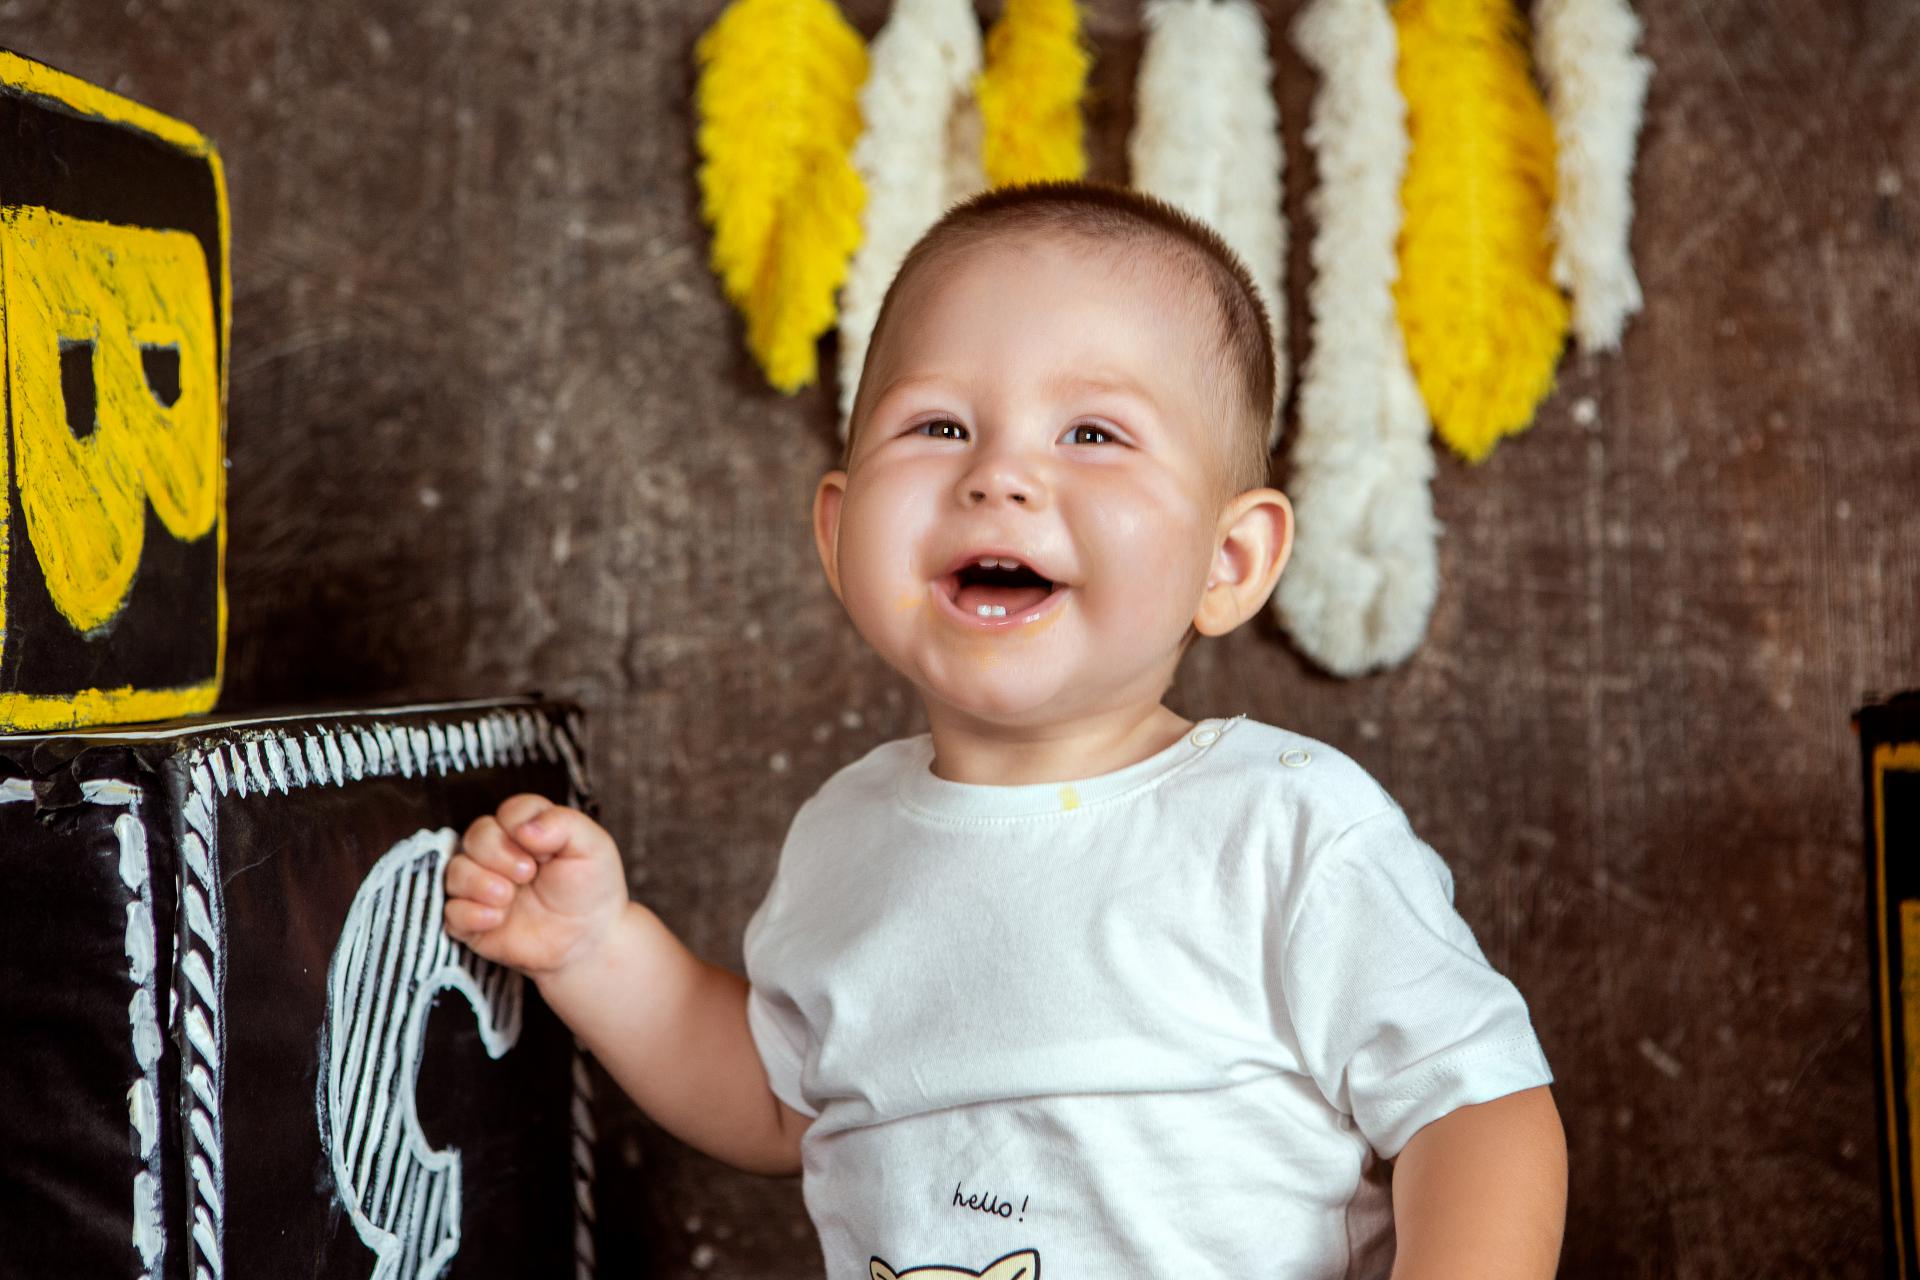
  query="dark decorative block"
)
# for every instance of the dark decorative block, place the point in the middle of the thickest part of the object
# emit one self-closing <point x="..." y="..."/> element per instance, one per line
<point x="235" y="1039"/>
<point x="114" y="301"/>
<point x="1890" y="751"/>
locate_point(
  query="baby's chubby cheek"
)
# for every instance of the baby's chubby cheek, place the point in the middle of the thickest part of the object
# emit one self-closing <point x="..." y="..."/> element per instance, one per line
<point x="879" y="579"/>
<point x="1147" y="563"/>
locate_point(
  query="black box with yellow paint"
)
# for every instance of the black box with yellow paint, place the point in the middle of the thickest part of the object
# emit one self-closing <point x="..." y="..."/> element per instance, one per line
<point x="114" y="301"/>
<point x="1890" y="752"/>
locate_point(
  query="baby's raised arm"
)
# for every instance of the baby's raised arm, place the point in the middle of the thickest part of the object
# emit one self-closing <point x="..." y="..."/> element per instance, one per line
<point x="541" y="888"/>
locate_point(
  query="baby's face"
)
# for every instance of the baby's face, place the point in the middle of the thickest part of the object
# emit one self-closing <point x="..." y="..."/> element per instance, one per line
<point x="1029" y="516"/>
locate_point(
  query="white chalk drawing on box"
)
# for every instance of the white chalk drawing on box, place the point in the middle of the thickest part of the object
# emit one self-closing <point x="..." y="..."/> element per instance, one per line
<point x="393" y="957"/>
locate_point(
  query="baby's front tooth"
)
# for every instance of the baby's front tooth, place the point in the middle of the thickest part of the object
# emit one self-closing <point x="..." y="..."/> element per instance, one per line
<point x="985" y="610"/>
<point x="999" y="611"/>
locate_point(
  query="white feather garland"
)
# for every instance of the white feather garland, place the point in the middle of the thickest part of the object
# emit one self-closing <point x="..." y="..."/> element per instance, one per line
<point x="918" y="153"/>
<point x="1206" y="138"/>
<point x="1364" y="573"/>
<point x="1596" y="87"/>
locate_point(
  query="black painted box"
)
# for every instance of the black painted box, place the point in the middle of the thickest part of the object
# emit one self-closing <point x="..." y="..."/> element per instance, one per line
<point x="114" y="319"/>
<point x="234" y="1037"/>
<point x="1890" y="754"/>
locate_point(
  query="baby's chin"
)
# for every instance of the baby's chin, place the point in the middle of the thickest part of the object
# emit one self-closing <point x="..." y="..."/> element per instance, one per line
<point x="1014" y="699"/>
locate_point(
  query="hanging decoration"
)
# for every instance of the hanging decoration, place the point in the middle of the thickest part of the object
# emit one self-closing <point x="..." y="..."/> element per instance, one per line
<point x="1483" y="321"/>
<point x="1030" y="94"/>
<point x="1448" y="222"/>
<point x="1596" y="89"/>
<point x="919" y="153"/>
<point x="1206" y="138"/>
<point x="778" y="118"/>
<point x="1361" y="584"/>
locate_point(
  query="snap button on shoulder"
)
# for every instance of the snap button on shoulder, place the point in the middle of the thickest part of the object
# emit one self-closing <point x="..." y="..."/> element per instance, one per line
<point x="1205" y="736"/>
<point x="1294" y="758"/>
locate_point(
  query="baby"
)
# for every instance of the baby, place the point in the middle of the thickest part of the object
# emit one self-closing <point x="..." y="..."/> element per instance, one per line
<point x="1068" y="981"/>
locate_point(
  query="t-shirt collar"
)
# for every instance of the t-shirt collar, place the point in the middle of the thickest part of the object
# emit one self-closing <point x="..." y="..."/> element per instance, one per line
<point x="920" y="788"/>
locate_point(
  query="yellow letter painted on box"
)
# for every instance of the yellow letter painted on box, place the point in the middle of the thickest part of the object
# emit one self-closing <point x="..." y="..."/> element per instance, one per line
<point x="124" y="316"/>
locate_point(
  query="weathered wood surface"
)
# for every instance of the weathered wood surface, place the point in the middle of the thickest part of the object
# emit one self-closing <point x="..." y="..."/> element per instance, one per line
<point x="493" y="428"/>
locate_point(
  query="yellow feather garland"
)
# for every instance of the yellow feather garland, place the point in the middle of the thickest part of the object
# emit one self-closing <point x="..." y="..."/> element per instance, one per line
<point x="1483" y="321"/>
<point x="1029" y="94"/>
<point x="779" y="112"/>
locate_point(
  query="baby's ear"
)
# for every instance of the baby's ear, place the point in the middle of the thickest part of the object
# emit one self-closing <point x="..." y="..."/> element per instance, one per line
<point x="1254" y="540"/>
<point x="827" y="501"/>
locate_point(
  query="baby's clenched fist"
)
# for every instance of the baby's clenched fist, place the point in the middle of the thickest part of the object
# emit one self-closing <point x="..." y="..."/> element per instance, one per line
<point x="535" y="886"/>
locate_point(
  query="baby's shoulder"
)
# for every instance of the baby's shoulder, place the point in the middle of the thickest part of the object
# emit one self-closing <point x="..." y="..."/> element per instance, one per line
<point x="1307" y="789"/>
<point x="872" y="779"/>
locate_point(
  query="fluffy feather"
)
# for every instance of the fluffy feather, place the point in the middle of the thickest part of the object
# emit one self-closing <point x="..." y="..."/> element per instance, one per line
<point x="1030" y="92"/>
<point x="1596" y="87"/>
<point x="918" y="153"/>
<point x="778" y="119"/>
<point x="1361" y="584"/>
<point x="1206" y="137"/>
<point x="1484" y="323"/>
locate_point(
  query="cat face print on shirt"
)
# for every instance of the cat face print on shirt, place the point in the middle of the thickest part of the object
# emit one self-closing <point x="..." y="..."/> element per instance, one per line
<point x="1024" y="1265"/>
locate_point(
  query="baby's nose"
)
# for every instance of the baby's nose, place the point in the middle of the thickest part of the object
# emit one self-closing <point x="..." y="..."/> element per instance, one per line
<point x="1001" y="479"/>
<point x="1012" y="495"/>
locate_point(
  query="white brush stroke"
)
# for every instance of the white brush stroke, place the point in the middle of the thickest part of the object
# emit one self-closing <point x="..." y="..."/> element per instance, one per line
<point x="203" y="962"/>
<point x="143" y="1107"/>
<point x="392" y="958"/>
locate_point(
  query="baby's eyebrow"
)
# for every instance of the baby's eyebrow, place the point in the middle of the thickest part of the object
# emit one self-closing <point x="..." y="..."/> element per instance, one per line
<point x="911" y="381"/>
<point x="1065" y="384"/>
<point x="1105" y="383"/>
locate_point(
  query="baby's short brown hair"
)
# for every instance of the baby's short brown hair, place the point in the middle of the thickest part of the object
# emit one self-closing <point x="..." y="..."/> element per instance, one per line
<point x="1117" y="216"/>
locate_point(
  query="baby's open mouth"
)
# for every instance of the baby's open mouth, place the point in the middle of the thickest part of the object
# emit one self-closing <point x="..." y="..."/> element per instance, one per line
<point x="996" y="587"/>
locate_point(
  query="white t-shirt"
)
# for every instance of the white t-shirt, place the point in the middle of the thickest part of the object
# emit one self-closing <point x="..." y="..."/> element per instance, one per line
<point x="1168" y="1022"/>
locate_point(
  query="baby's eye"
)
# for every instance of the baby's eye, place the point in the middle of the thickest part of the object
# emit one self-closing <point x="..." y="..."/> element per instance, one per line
<point x="1086" y="433"/>
<point x="942" y="429"/>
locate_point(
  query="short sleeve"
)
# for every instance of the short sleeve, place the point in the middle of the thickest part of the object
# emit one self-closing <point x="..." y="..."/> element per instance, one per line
<point x="778" y="1027"/>
<point x="1400" y="1018"/>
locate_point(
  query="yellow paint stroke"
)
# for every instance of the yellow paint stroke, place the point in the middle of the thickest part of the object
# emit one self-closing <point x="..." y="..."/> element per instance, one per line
<point x="6" y="469"/>
<point x="119" y="290"/>
<point x="94" y="706"/>
<point x="909" y="601"/>
<point x="33" y="712"/>
<point x="1910" y="1014"/>
<point x="43" y="81"/>
<point x="1904" y="757"/>
<point x="1069" y="798"/>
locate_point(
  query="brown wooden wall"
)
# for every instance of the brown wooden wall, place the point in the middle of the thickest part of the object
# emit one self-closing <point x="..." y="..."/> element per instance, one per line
<point x="493" y="428"/>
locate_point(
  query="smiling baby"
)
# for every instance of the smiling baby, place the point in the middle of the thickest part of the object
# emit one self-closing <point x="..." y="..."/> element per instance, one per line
<point x="1068" y="981"/>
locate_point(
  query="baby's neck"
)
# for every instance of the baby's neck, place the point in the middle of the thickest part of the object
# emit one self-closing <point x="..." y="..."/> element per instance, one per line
<point x="966" y="749"/>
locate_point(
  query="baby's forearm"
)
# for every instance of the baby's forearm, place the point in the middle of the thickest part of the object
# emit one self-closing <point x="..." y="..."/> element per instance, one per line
<point x="672" y="1030"/>
<point x="1482" y="1193"/>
